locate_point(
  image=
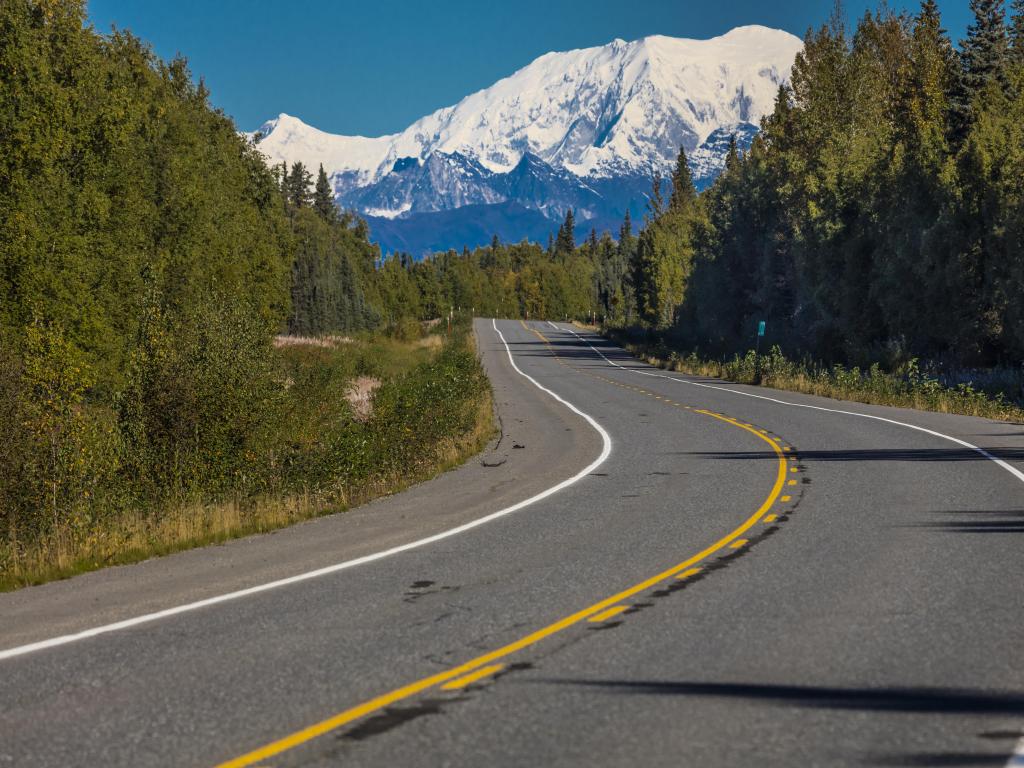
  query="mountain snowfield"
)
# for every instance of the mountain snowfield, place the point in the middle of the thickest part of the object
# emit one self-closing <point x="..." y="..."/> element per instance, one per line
<point x="559" y="133"/>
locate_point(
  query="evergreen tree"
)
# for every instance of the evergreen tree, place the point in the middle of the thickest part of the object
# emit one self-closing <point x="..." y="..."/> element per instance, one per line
<point x="323" y="197"/>
<point x="684" y="194"/>
<point x="1017" y="32"/>
<point x="627" y="268"/>
<point x="984" y="57"/>
<point x="655" y="201"/>
<point x="297" y="187"/>
<point x="626" y="230"/>
<point x="565" y="242"/>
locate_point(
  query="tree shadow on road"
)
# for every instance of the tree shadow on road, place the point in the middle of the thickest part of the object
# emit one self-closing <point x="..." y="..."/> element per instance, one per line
<point x="916" y="699"/>
<point x="880" y="454"/>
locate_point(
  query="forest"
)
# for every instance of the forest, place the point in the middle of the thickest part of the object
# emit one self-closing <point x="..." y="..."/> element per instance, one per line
<point x="878" y="216"/>
<point x="152" y="270"/>
<point x="151" y="257"/>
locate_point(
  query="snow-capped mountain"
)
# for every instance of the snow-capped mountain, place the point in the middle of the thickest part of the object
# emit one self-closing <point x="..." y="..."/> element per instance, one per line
<point x="577" y="129"/>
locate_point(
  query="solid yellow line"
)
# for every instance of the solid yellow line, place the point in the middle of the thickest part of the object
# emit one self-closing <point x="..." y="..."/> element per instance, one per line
<point x="386" y="699"/>
<point x="615" y="610"/>
<point x="471" y="678"/>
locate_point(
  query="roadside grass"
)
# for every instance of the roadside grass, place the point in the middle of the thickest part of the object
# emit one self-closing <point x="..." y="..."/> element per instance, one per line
<point x="432" y="411"/>
<point x="908" y="387"/>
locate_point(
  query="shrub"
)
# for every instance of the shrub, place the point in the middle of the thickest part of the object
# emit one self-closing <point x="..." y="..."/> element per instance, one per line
<point x="202" y="401"/>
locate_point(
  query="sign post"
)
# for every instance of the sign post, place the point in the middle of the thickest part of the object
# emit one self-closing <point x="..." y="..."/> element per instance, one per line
<point x="757" y="352"/>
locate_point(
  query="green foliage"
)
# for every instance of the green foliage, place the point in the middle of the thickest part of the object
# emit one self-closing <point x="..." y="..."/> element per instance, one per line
<point x="323" y="197"/>
<point x="908" y="386"/>
<point x="149" y="258"/>
<point x="565" y="241"/>
<point x="663" y="259"/>
<point x="296" y="188"/>
<point x="202" y="401"/>
<point x="59" y="457"/>
<point x="114" y="171"/>
<point x="868" y="215"/>
<point x="328" y="275"/>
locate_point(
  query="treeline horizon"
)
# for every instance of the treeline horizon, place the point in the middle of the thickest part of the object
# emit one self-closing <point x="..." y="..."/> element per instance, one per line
<point x="150" y="255"/>
<point x="878" y="216"/>
<point x="891" y="161"/>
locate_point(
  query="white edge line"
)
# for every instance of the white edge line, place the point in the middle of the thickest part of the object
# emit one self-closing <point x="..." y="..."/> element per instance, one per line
<point x="1009" y="468"/>
<point x="1017" y="758"/>
<point x="606" y="449"/>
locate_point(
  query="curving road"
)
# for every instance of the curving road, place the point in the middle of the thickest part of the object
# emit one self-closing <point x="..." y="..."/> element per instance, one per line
<point x="646" y="569"/>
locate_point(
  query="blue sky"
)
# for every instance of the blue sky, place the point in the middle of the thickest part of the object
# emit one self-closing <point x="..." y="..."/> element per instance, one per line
<point x="374" y="66"/>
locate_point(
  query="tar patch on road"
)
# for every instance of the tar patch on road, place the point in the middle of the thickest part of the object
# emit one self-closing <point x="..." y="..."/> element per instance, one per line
<point x="420" y="589"/>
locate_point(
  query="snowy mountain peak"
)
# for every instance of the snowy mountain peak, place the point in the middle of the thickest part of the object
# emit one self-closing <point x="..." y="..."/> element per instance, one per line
<point x="592" y="111"/>
<point x="590" y="116"/>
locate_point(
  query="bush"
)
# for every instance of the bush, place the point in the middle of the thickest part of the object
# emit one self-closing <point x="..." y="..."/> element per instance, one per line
<point x="203" y="400"/>
<point x="60" y="454"/>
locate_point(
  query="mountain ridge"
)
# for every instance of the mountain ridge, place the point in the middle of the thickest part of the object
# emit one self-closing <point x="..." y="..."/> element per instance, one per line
<point x="550" y="133"/>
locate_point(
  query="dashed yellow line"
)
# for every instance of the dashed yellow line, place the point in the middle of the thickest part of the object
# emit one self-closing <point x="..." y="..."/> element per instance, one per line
<point x="472" y="677"/>
<point x="771" y="518"/>
<point x="612" y="612"/>
<point x="485" y="665"/>
<point x="688" y="573"/>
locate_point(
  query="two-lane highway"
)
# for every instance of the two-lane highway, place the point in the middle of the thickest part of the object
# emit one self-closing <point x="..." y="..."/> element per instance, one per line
<point x="648" y="569"/>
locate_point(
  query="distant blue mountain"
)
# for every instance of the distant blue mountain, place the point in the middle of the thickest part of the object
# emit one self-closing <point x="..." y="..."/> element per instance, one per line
<point x="534" y="198"/>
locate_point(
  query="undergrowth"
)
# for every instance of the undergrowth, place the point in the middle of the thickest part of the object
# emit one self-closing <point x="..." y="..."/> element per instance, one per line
<point x="908" y="387"/>
<point x="432" y="410"/>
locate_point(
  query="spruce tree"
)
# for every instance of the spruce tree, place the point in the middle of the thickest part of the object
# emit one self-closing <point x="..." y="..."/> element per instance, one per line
<point x="626" y="230"/>
<point x="984" y="58"/>
<point x="655" y="202"/>
<point x="323" y="197"/>
<point x="1017" y="33"/>
<point x="683" y="191"/>
<point x="297" y="186"/>
<point x="565" y="243"/>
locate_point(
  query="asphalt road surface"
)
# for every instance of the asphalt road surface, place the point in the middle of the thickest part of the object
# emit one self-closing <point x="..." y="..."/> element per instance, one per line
<point x="646" y="569"/>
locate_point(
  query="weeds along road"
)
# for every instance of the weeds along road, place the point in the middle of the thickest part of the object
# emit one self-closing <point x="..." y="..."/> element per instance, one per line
<point x="709" y="575"/>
